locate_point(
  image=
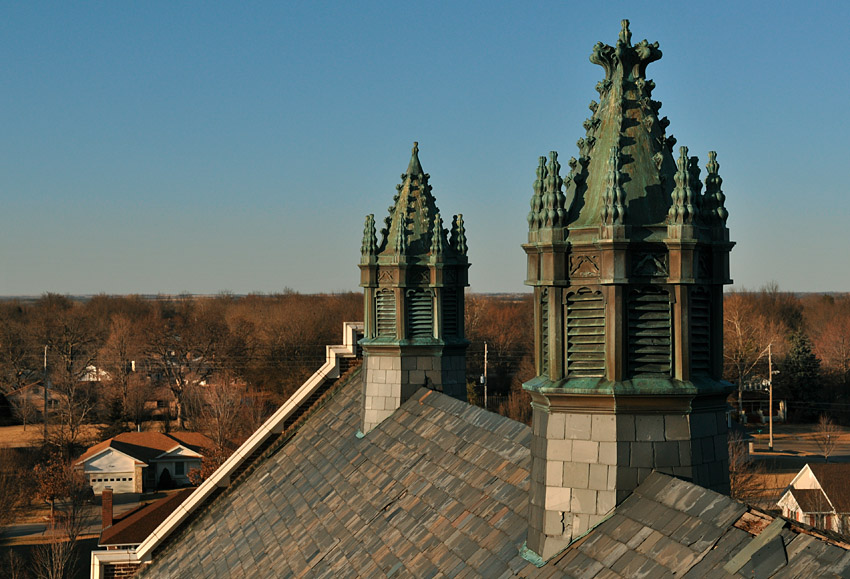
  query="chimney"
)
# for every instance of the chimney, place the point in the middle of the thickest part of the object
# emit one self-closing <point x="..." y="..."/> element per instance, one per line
<point x="106" y="511"/>
<point x="413" y="280"/>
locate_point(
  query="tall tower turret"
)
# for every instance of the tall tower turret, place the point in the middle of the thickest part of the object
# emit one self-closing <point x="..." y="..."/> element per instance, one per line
<point x="413" y="282"/>
<point x="627" y="257"/>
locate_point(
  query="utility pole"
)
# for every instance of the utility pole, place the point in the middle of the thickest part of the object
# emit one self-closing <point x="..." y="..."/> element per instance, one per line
<point x="770" y="386"/>
<point x="485" y="375"/>
<point x="44" y="409"/>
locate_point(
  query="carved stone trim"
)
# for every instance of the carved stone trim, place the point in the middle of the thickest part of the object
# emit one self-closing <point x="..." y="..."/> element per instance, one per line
<point x="419" y="275"/>
<point x="584" y="266"/>
<point x="651" y="264"/>
<point x="386" y="275"/>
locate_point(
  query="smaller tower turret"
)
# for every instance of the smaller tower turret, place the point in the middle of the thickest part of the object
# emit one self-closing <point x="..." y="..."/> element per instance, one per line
<point x="413" y="282"/>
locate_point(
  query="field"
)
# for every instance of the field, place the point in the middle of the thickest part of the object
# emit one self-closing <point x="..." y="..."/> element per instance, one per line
<point x="18" y="436"/>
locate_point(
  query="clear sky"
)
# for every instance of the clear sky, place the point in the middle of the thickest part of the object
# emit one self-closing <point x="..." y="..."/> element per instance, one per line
<point x="163" y="147"/>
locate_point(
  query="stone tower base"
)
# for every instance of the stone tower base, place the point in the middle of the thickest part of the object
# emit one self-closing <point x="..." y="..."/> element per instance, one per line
<point x="587" y="458"/>
<point x="390" y="379"/>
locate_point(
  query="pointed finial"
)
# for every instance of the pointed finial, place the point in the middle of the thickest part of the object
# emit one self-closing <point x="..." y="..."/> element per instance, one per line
<point x="696" y="183"/>
<point x="438" y="241"/>
<point x="624" y="61"/>
<point x="458" y="241"/>
<point x="682" y="211"/>
<point x="535" y="219"/>
<point x="414" y="168"/>
<point x="554" y="199"/>
<point x="714" y="207"/>
<point x="625" y="33"/>
<point x="399" y="244"/>
<point x="369" y="246"/>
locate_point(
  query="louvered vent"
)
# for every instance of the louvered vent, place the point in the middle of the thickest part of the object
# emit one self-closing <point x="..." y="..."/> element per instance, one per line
<point x="385" y="314"/>
<point x="450" y="312"/>
<point x="544" y="333"/>
<point x="700" y="332"/>
<point x="650" y="343"/>
<point x="585" y="334"/>
<point x="420" y="314"/>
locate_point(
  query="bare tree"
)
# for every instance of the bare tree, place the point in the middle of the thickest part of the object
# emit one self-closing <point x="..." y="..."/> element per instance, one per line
<point x="182" y="345"/>
<point x="746" y="336"/>
<point x="745" y="474"/>
<point x="24" y="409"/>
<point x="826" y="436"/>
<point x="55" y="558"/>
<point x="517" y="407"/>
<point x="117" y="356"/>
<point x="15" y="565"/>
<point x="256" y="408"/>
<point x="19" y="362"/>
<point x="73" y="340"/>
<point x="219" y="413"/>
<point x="139" y="393"/>
<point x="832" y="342"/>
<point x="58" y="479"/>
<point x="10" y="485"/>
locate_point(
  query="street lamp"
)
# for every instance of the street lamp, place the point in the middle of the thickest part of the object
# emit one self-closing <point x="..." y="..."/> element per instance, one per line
<point x="770" y="374"/>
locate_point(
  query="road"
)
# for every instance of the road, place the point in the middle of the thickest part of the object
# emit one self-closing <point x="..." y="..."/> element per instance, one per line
<point x="92" y="513"/>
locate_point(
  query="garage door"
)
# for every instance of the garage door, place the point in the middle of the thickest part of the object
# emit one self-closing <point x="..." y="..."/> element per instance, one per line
<point x="118" y="482"/>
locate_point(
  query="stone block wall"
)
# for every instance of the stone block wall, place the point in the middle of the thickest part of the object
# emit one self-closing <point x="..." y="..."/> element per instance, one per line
<point x="584" y="464"/>
<point x="391" y="380"/>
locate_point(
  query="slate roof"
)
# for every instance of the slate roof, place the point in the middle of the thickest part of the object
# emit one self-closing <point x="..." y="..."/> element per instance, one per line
<point x="833" y="477"/>
<point x="145" y="446"/>
<point x="135" y="526"/>
<point x="440" y="488"/>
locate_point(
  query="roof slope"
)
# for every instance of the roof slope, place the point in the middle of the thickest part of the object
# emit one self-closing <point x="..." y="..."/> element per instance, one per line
<point x="669" y="527"/>
<point x="134" y="527"/>
<point x="441" y="488"/>
<point x="811" y="500"/>
<point x="833" y="477"/>
<point x="439" y="484"/>
<point x="146" y="446"/>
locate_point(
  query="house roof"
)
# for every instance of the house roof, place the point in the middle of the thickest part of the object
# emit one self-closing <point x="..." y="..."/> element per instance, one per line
<point x="833" y="479"/>
<point x="146" y="446"/>
<point x="135" y="526"/>
<point x="442" y="487"/>
<point x="811" y="500"/>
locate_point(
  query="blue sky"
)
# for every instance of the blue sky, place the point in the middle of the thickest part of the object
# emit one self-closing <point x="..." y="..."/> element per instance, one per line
<point x="207" y="146"/>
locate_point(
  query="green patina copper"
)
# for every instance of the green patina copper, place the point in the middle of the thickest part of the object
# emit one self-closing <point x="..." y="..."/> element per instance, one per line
<point x="626" y="253"/>
<point x="415" y="275"/>
<point x="625" y="128"/>
<point x="412" y="228"/>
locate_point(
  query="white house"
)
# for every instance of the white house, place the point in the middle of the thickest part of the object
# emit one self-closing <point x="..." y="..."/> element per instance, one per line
<point x="819" y="496"/>
<point x="134" y="462"/>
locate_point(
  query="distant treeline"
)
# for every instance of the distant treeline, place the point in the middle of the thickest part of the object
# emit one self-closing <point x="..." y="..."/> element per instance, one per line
<point x="808" y="335"/>
<point x="268" y="344"/>
<point x="106" y="353"/>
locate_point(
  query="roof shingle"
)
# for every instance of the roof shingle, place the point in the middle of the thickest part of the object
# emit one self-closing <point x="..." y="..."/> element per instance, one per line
<point x="441" y="487"/>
